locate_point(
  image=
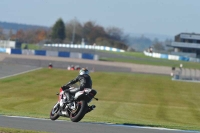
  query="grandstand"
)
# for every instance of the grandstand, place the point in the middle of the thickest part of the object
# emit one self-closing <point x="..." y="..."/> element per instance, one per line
<point x="186" y="44"/>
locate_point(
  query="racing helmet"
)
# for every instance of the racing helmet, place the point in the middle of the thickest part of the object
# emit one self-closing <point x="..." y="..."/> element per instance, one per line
<point x="83" y="71"/>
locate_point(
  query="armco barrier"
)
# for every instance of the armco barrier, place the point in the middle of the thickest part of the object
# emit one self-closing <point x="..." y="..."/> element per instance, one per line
<point x="171" y="57"/>
<point x="87" y="56"/>
<point x="194" y="59"/>
<point x="164" y="56"/>
<point x="63" y="54"/>
<point x="75" y="55"/>
<point x="2" y="50"/>
<point x="52" y="53"/>
<point x="183" y="58"/>
<point x="16" y="51"/>
<point x="28" y="52"/>
<point x="156" y="55"/>
<point x="40" y="52"/>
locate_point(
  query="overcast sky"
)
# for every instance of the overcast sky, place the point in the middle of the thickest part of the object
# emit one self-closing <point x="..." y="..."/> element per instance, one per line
<point x="167" y="17"/>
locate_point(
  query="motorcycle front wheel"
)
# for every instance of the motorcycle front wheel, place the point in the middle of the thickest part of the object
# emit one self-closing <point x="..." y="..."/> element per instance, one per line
<point x="54" y="114"/>
<point x="77" y="114"/>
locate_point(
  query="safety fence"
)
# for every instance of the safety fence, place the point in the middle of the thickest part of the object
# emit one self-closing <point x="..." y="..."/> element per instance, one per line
<point x="50" y="53"/>
<point x="184" y="74"/>
<point x="171" y="57"/>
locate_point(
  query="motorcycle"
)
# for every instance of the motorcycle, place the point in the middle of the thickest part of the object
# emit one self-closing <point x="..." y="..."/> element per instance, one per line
<point x="79" y="106"/>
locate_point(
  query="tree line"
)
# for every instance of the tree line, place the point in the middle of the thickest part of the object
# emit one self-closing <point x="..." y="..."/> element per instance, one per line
<point x="74" y="32"/>
<point x="71" y="32"/>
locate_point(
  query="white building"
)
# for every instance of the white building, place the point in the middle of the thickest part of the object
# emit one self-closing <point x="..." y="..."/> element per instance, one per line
<point x="8" y="44"/>
<point x="187" y="44"/>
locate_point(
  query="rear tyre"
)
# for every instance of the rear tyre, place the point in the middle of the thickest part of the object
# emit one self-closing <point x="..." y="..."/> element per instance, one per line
<point x="80" y="111"/>
<point x="54" y="114"/>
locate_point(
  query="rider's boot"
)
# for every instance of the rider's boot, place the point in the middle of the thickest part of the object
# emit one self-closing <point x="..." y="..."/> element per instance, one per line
<point x="90" y="108"/>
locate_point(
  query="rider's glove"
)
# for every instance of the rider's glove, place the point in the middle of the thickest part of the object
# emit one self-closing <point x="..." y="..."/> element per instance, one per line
<point x="64" y="87"/>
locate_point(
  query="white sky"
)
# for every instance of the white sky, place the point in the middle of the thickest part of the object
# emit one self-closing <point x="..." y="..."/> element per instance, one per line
<point x="167" y="17"/>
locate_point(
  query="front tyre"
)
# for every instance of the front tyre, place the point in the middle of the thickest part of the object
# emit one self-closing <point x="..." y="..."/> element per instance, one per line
<point x="77" y="114"/>
<point x="54" y="114"/>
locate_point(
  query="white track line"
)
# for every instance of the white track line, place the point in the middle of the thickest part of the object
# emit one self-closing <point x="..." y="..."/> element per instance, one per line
<point x="20" y="73"/>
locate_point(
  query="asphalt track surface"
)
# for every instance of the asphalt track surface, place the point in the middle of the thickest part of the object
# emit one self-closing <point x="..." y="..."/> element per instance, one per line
<point x="58" y="62"/>
<point x="81" y="127"/>
<point x="7" y="70"/>
<point x="14" y="65"/>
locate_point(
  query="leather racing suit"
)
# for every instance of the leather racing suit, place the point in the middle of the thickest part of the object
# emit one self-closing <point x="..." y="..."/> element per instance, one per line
<point x="85" y="82"/>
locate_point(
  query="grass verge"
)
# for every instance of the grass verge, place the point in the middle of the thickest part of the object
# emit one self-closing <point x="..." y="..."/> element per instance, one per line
<point x="140" y="58"/>
<point x="139" y="99"/>
<point x="12" y="130"/>
<point x="30" y="46"/>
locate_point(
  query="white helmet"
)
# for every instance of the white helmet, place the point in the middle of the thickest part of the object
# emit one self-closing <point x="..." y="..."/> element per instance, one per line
<point x="83" y="71"/>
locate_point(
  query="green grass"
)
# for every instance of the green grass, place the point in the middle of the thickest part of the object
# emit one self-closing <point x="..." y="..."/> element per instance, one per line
<point x="12" y="130"/>
<point x="151" y="100"/>
<point x="140" y="58"/>
<point x="134" y="54"/>
<point x="30" y="46"/>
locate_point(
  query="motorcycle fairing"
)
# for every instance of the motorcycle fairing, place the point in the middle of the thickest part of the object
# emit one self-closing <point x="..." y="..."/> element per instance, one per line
<point x="80" y="93"/>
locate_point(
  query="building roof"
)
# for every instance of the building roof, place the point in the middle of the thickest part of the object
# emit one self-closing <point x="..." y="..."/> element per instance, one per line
<point x="189" y="33"/>
<point x="191" y="36"/>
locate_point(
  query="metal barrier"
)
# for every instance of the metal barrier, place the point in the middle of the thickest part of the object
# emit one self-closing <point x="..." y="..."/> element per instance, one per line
<point x="183" y="74"/>
<point x="171" y="57"/>
<point x="53" y="53"/>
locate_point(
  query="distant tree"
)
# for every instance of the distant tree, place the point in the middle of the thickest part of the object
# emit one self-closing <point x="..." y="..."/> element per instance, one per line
<point x="156" y="40"/>
<point x="158" y="46"/>
<point x="97" y="31"/>
<point x="115" y="33"/>
<point x="58" y="31"/>
<point x="10" y="34"/>
<point x="102" y="41"/>
<point x="2" y="36"/>
<point x="73" y="31"/>
<point x="41" y="35"/>
<point x="92" y="31"/>
<point x="29" y="36"/>
<point x="119" y="44"/>
<point x="131" y="49"/>
<point x="87" y="29"/>
<point x="20" y="36"/>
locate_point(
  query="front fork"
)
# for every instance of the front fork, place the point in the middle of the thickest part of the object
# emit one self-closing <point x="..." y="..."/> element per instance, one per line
<point x="56" y="108"/>
<point x="57" y="104"/>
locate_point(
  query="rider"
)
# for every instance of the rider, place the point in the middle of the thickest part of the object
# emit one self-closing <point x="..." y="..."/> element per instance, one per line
<point x="84" y="80"/>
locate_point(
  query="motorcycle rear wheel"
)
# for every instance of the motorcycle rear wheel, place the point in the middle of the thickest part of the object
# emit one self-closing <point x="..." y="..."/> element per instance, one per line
<point x="54" y="114"/>
<point x="80" y="111"/>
